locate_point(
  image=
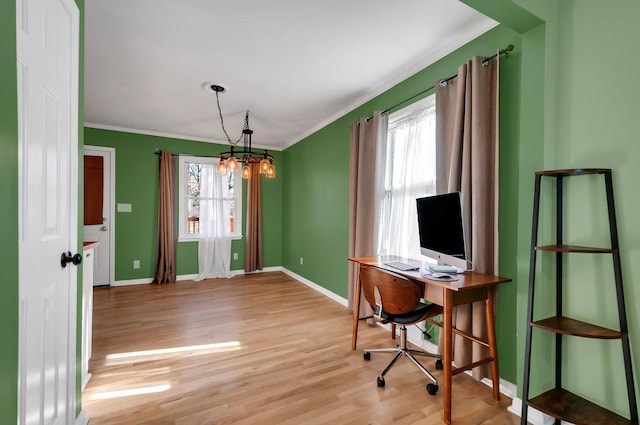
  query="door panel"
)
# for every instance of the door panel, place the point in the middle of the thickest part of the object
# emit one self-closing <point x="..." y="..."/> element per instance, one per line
<point x="47" y="54"/>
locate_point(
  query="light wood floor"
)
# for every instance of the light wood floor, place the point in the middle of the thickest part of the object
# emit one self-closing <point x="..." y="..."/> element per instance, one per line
<point x="255" y="349"/>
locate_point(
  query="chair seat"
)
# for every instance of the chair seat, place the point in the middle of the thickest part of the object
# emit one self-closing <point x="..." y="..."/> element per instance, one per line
<point x="416" y="315"/>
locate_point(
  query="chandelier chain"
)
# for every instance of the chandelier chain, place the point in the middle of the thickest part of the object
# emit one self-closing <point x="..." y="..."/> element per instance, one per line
<point x="222" y="122"/>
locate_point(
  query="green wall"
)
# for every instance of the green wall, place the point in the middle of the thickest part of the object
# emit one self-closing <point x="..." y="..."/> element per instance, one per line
<point x="316" y="190"/>
<point x="8" y="216"/>
<point x="137" y="184"/>
<point x="597" y="126"/>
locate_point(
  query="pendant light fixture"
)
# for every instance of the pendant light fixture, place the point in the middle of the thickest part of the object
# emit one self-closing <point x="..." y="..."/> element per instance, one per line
<point x="231" y="160"/>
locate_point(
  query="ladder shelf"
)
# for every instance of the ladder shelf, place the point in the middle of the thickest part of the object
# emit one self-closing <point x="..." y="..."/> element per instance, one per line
<point x="558" y="402"/>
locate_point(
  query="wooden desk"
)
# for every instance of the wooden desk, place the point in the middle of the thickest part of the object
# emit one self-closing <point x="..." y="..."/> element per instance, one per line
<point x="470" y="287"/>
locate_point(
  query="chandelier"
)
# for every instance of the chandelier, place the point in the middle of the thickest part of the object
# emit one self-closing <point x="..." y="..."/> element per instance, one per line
<point x="230" y="160"/>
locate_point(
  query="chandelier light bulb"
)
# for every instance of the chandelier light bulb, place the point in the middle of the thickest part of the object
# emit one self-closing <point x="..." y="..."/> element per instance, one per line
<point x="232" y="164"/>
<point x="246" y="172"/>
<point x="271" y="172"/>
<point x="222" y="168"/>
<point x="264" y="166"/>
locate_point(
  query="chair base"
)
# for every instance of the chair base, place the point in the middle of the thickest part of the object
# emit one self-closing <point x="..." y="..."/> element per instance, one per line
<point x="403" y="351"/>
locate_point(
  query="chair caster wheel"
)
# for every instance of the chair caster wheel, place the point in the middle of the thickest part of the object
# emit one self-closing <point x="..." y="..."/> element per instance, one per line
<point x="439" y="364"/>
<point x="380" y="382"/>
<point x="432" y="389"/>
<point x="366" y="355"/>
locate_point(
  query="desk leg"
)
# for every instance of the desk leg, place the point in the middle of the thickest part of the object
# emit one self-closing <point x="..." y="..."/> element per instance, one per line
<point x="491" y="336"/>
<point x="356" y="307"/>
<point x="447" y="353"/>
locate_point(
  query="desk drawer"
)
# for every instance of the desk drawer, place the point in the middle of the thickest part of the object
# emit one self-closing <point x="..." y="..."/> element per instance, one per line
<point x="435" y="294"/>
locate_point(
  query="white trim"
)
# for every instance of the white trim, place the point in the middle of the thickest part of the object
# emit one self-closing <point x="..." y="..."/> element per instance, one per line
<point x="418" y="107"/>
<point x="534" y="416"/>
<point x="183" y="277"/>
<point x="85" y="381"/>
<point x="506" y="388"/>
<point x="170" y="135"/>
<point x="82" y="418"/>
<point x="317" y="287"/>
<point x="130" y="282"/>
<point x="112" y="213"/>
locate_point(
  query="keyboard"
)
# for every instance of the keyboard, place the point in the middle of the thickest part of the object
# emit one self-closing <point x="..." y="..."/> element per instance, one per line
<point x="401" y="266"/>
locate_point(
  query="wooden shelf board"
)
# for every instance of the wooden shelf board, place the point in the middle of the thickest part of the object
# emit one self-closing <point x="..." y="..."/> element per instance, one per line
<point x="567" y="326"/>
<point x="575" y="248"/>
<point x="562" y="404"/>
<point x="573" y="172"/>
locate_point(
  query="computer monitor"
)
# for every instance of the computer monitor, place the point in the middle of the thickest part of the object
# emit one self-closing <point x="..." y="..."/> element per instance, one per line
<point x="441" y="229"/>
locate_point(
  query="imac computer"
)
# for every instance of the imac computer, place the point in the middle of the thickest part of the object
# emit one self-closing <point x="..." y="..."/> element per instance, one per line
<point x="441" y="230"/>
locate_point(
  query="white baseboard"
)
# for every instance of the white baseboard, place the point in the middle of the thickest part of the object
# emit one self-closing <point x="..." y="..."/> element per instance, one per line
<point x="317" y="287"/>
<point x="85" y="381"/>
<point x="132" y="282"/>
<point x="534" y="416"/>
<point x="82" y="418"/>
<point x="187" y="277"/>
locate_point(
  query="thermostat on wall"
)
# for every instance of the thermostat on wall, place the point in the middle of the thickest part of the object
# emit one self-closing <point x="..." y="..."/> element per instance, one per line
<point x="124" y="207"/>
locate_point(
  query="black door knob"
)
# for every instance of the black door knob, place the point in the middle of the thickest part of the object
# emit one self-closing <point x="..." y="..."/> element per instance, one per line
<point x="68" y="258"/>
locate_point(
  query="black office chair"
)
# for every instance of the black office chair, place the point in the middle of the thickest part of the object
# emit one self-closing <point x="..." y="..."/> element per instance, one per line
<point x="396" y="299"/>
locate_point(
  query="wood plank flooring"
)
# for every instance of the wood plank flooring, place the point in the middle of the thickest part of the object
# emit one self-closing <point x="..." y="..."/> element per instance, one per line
<point x="255" y="349"/>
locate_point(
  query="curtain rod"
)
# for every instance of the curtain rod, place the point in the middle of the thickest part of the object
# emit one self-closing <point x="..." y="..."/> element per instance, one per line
<point x="443" y="82"/>
<point x="159" y="151"/>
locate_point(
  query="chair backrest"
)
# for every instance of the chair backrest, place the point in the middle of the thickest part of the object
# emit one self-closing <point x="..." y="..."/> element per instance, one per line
<point x="399" y="294"/>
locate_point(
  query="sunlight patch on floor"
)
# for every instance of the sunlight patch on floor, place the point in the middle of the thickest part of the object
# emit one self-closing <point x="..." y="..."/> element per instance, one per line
<point x="130" y="392"/>
<point x="196" y="349"/>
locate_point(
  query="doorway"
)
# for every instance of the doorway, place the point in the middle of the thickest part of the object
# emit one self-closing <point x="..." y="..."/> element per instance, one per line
<point x="102" y="229"/>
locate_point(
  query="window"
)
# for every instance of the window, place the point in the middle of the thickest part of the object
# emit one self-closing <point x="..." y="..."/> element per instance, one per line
<point x="410" y="173"/>
<point x="190" y="171"/>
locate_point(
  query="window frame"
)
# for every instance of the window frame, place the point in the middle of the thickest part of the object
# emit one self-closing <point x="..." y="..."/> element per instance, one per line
<point x="183" y="180"/>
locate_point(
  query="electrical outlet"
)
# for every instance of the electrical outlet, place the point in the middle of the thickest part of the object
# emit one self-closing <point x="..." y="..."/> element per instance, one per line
<point x="301" y="261"/>
<point x="136" y="264"/>
<point x="235" y="255"/>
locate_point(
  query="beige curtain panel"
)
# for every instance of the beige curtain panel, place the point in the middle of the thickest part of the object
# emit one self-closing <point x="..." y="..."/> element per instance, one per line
<point x="253" y="249"/>
<point x="467" y="161"/>
<point x="166" y="239"/>
<point x="368" y="146"/>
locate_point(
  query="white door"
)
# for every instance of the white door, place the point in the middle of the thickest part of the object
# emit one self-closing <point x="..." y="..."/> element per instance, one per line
<point x="103" y="268"/>
<point x="47" y="61"/>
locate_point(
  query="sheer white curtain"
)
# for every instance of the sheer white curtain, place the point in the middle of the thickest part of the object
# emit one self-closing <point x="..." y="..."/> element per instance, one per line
<point x="409" y="174"/>
<point x="214" y="247"/>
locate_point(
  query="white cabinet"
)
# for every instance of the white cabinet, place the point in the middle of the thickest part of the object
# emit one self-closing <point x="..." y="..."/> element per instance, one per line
<point x="87" y="310"/>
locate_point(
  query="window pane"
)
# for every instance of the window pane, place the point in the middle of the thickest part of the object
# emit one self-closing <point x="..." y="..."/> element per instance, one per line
<point x="409" y="174"/>
<point x="193" y="215"/>
<point x="193" y="200"/>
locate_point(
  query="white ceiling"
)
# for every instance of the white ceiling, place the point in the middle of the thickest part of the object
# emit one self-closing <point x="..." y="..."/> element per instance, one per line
<point x="295" y="65"/>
